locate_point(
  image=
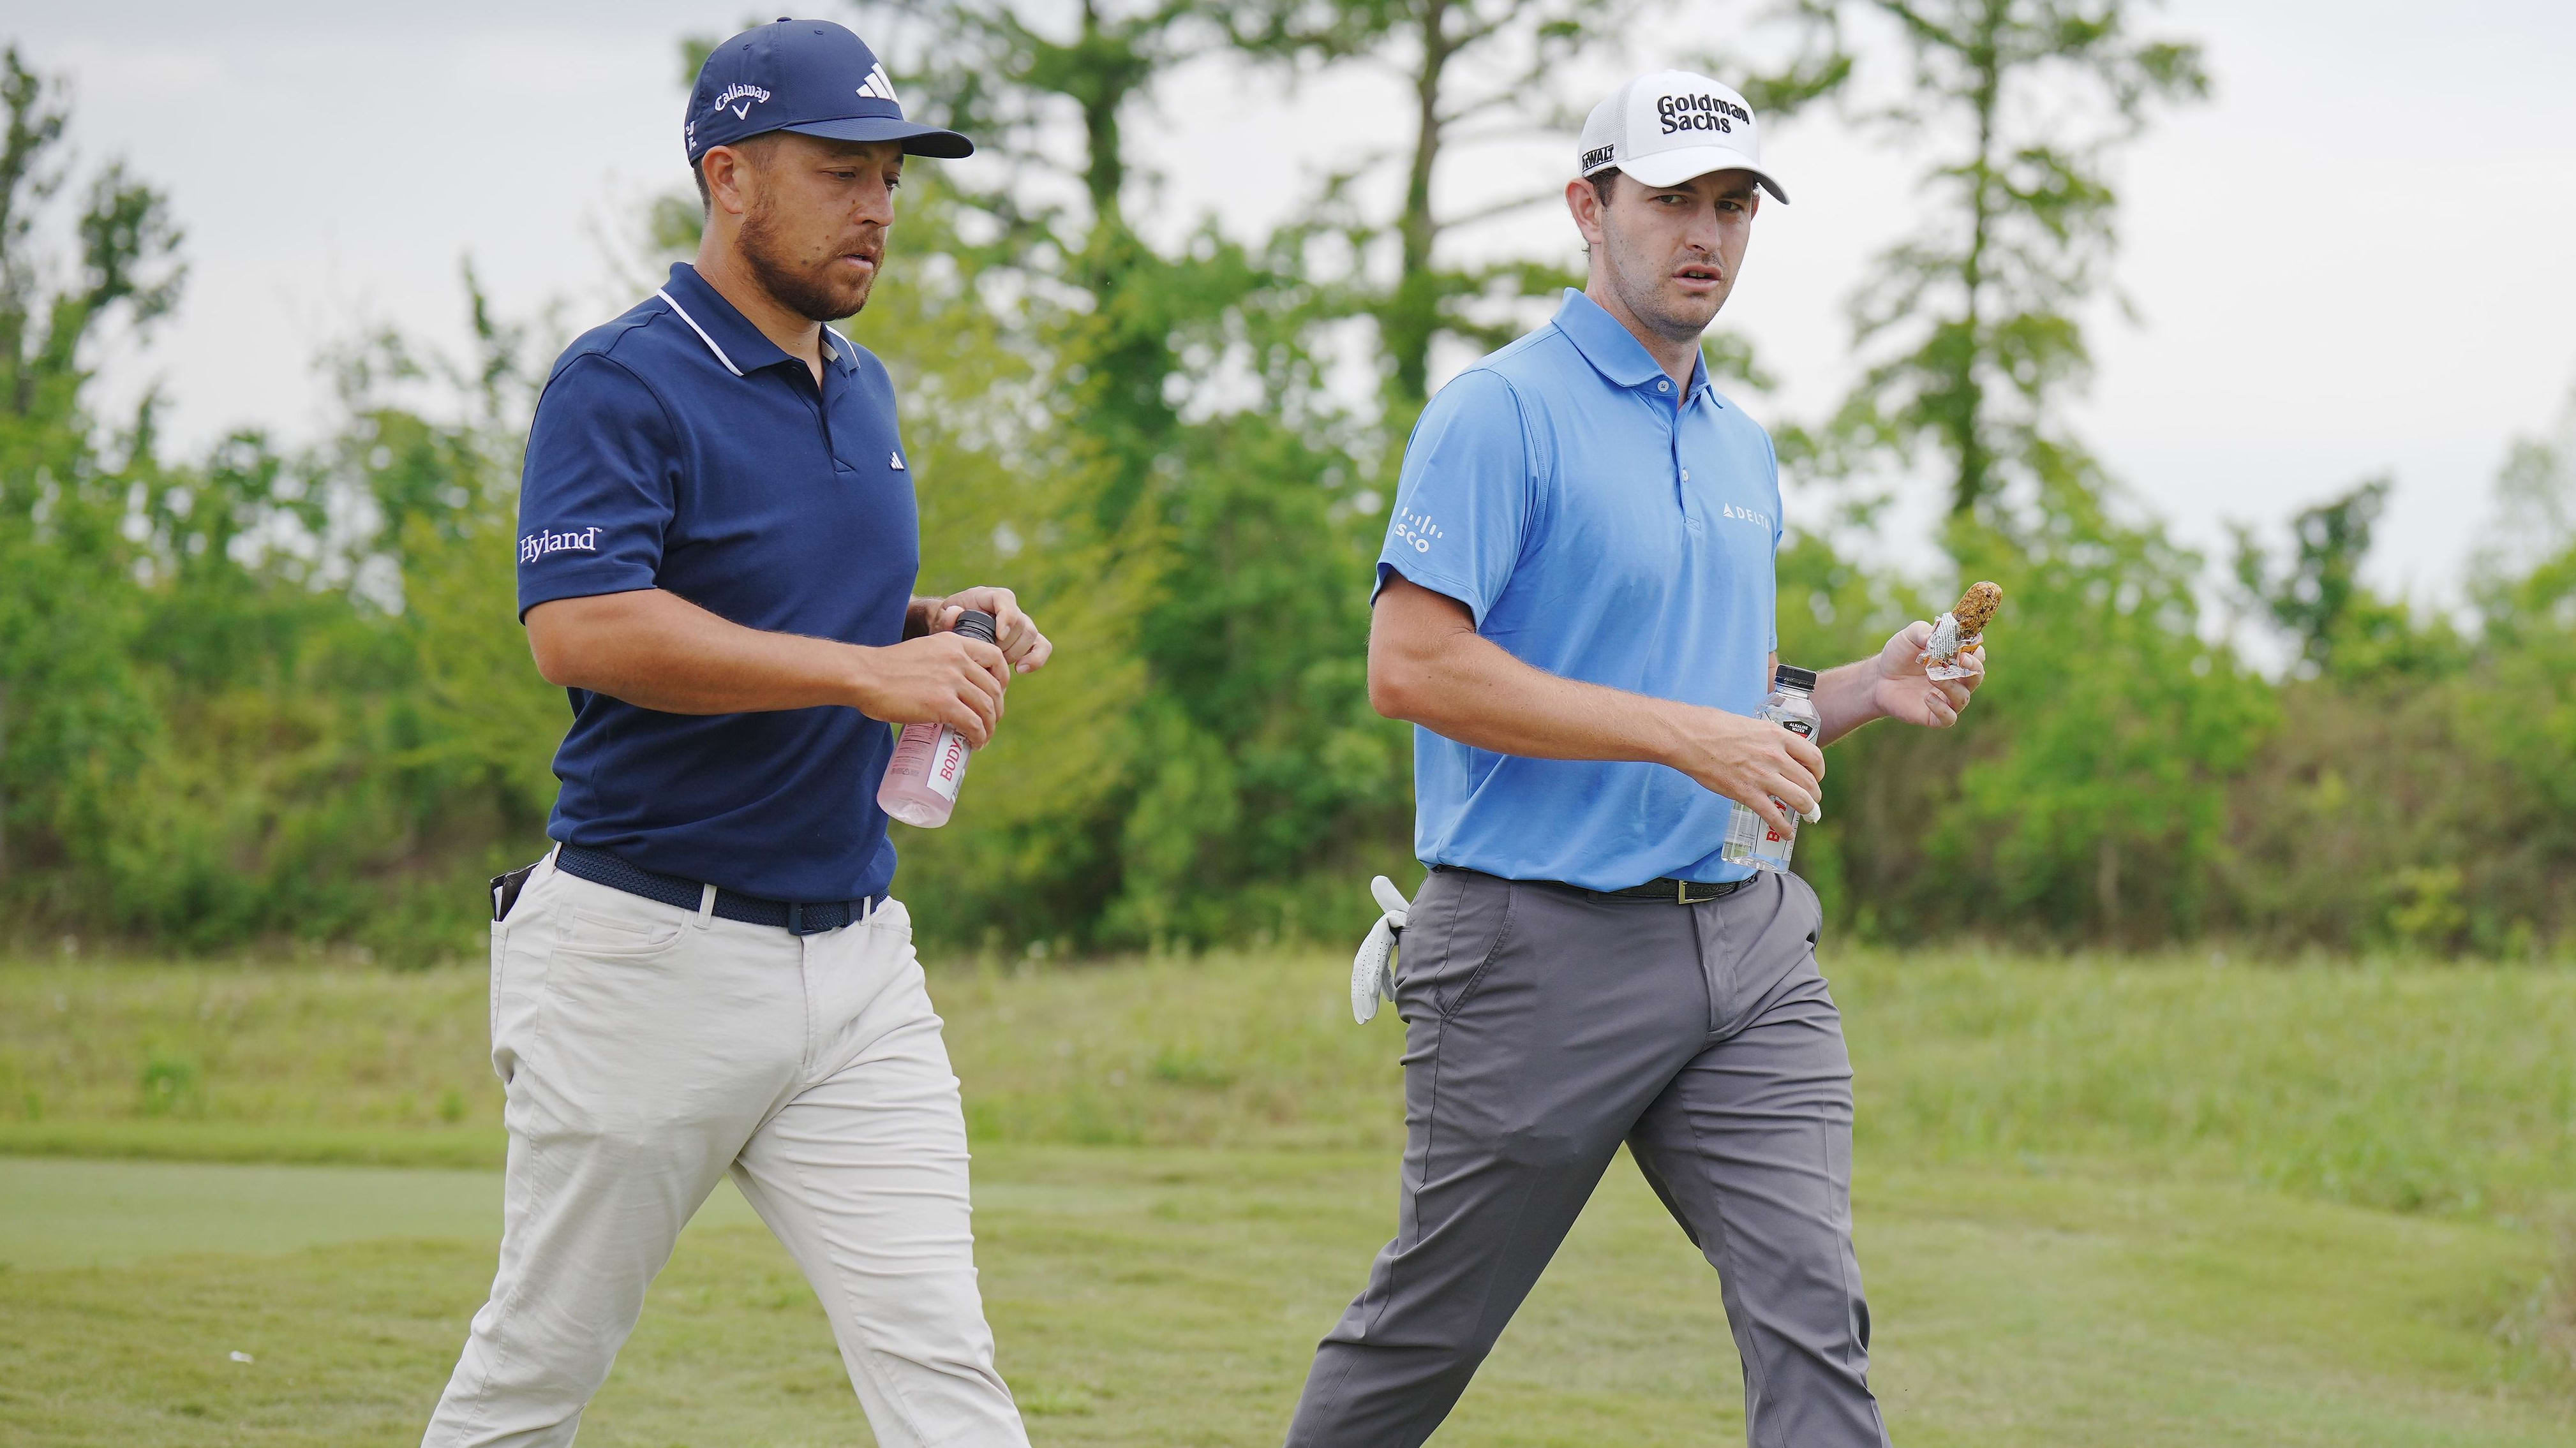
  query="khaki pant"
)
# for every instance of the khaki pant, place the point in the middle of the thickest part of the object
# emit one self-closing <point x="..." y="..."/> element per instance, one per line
<point x="649" y="1049"/>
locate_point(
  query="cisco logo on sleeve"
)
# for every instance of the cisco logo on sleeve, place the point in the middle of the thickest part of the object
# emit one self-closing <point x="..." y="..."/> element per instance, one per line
<point x="537" y="545"/>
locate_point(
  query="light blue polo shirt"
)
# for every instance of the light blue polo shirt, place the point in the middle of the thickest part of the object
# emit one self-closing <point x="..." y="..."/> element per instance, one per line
<point x="1598" y="530"/>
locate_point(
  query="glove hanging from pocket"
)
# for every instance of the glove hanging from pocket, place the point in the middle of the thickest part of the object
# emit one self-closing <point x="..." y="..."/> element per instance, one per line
<point x="1373" y="969"/>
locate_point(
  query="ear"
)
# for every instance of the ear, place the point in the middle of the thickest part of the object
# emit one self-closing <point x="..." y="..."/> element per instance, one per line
<point x="1585" y="205"/>
<point x="728" y="179"/>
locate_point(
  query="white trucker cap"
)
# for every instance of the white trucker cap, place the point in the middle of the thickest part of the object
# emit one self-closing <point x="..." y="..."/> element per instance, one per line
<point x="1670" y="126"/>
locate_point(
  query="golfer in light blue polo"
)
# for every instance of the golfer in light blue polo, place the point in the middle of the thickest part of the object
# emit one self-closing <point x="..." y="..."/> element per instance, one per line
<point x="1575" y="608"/>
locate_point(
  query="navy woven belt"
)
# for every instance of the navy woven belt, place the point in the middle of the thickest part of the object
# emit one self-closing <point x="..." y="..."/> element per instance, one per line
<point x="806" y="917"/>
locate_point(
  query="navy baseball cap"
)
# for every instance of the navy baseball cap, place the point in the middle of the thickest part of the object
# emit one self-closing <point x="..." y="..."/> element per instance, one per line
<point x="808" y="76"/>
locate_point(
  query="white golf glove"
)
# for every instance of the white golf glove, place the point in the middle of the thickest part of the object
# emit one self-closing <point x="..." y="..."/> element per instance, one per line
<point x="1373" y="969"/>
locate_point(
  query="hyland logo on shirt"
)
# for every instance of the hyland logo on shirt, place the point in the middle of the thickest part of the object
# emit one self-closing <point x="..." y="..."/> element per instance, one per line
<point x="1744" y="515"/>
<point x="747" y="94"/>
<point x="538" y="544"/>
<point x="1415" y="528"/>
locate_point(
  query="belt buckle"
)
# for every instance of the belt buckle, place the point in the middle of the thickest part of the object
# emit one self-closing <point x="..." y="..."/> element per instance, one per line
<point x="1681" y="893"/>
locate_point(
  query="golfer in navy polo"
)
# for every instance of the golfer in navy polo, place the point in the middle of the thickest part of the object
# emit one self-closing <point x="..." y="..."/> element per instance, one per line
<point x="1575" y="608"/>
<point x="707" y="975"/>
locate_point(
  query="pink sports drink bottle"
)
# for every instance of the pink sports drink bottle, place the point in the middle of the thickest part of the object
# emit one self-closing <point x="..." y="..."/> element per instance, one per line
<point x="930" y="759"/>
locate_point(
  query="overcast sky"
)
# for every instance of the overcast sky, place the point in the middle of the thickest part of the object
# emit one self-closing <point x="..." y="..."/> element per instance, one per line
<point x="2355" y="260"/>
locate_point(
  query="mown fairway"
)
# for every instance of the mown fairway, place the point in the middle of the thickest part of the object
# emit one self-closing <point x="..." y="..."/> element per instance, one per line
<point x="2149" y="1203"/>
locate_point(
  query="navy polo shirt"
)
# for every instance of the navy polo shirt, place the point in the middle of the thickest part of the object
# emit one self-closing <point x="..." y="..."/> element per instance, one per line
<point x="678" y="448"/>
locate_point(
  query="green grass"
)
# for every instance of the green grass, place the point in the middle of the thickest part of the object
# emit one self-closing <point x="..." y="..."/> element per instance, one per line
<point x="1172" y="1296"/>
<point x="2438" y="1088"/>
<point x="2163" y="1201"/>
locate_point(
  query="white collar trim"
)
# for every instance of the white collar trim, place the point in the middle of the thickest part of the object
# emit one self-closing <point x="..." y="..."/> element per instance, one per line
<point x="701" y="331"/>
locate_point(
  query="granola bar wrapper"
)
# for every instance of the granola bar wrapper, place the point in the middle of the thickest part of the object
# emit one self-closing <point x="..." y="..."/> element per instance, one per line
<point x="1961" y="629"/>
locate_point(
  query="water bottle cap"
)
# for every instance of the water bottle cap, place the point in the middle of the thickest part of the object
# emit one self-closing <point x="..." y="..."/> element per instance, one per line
<point x="976" y="624"/>
<point x="1790" y="676"/>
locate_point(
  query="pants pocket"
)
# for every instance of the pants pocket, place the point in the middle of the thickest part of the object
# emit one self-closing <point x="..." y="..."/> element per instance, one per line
<point x="1469" y="917"/>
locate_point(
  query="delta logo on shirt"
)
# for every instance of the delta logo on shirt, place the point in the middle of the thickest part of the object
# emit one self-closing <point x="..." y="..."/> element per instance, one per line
<point x="539" y="544"/>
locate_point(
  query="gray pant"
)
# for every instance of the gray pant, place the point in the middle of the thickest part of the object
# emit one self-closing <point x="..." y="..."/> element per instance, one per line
<point x="1543" y="1027"/>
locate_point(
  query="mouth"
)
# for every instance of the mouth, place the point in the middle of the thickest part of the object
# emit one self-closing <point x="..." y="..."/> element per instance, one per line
<point x="1698" y="278"/>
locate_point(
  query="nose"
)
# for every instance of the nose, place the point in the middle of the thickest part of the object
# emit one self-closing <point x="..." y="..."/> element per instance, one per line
<point x="1704" y="233"/>
<point x="876" y="203"/>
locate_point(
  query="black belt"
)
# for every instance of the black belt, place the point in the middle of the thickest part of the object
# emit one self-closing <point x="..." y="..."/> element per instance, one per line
<point x="796" y="917"/>
<point x="1676" y="892"/>
<point x="1668" y="890"/>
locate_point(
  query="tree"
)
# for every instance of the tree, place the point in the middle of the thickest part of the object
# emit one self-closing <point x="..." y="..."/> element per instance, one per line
<point x="68" y="706"/>
<point x="2088" y="789"/>
<point x="2318" y="599"/>
<point x="1476" y="70"/>
<point x="1174" y="477"/>
<point x="1972" y="320"/>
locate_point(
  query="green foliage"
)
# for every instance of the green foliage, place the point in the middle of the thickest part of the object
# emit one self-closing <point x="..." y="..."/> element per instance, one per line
<point x="258" y="692"/>
<point x="2417" y="795"/>
<point x="275" y="690"/>
<point x="2088" y="793"/>
<point x="2103" y="807"/>
<point x="2318" y="598"/>
<point x="1176" y="495"/>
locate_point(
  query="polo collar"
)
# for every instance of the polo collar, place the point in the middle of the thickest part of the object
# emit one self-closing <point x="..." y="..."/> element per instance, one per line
<point x="736" y="343"/>
<point x="1614" y="351"/>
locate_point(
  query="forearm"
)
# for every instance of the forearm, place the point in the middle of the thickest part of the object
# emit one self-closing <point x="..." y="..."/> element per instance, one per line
<point x="659" y="651"/>
<point x="1846" y="699"/>
<point x="1468" y="688"/>
<point x="1429" y="666"/>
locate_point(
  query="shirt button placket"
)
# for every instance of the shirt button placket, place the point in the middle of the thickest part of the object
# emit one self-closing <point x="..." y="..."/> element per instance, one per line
<point x="1681" y="475"/>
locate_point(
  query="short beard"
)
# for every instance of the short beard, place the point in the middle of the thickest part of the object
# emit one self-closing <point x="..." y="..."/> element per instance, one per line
<point x="805" y="291"/>
<point x="1644" y="294"/>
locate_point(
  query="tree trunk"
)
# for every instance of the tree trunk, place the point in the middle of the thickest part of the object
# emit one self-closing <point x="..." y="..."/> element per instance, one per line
<point x="2106" y="885"/>
<point x="1412" y="316"/>
<point x="4" y="784"/>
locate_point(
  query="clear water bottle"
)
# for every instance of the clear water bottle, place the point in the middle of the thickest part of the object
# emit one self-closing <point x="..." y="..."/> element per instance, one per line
<point x="1751" y="839"/>
<point x="929" y="764"/>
